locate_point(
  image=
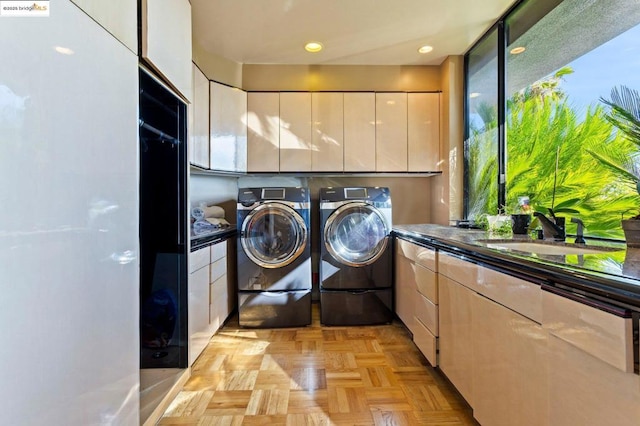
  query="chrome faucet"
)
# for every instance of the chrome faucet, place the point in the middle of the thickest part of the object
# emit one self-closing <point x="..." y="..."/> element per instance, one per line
<point x="579" y="231"/>
<point x="552" y="227"/>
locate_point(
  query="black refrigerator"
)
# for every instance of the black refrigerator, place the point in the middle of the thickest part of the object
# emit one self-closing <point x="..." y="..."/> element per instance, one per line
<point x="163" y="226"/>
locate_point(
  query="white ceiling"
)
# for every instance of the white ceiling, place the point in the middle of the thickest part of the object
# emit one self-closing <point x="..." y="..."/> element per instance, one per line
<point x="353" y="32"/>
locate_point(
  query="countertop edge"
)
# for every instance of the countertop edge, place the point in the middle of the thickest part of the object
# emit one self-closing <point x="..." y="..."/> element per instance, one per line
<point x="212" y="238"/>
<point x="620" y="291"/>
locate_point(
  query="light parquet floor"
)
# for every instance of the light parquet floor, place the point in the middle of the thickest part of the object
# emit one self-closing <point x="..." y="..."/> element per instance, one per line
<point x="316" y="375"/>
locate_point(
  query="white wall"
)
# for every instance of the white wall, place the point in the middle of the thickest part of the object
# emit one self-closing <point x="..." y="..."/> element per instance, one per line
<point x="68" y="222"/>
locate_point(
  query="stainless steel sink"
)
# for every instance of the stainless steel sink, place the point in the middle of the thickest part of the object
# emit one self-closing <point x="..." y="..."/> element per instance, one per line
<point x="548" y="248"/>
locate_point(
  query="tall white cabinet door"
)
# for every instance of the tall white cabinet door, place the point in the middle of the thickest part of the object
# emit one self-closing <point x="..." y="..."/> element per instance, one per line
<point x="391" y="132"/>
<point x="295" y="132"/>
<point x="327" y="132"/>
<point x="227" y="128"/>
<point x="423" y="131"/>
<point x="263" y="132"/>
<point x="359" y="132"/>
<point x="166" y="41"/>
<point x="119" y="17"/>
<point x="199" y="132"/>
<point x="70" y="276"/>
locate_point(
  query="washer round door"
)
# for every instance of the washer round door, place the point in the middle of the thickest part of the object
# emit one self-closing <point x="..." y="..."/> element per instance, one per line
<point x="356" y="234"/>
<point x="273" y="235"/>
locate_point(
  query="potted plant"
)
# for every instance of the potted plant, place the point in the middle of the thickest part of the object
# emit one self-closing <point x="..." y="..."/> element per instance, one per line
<point x="624" y="114"/>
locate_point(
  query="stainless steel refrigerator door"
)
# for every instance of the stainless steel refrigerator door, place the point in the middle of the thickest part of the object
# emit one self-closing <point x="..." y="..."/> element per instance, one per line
<point x="273" y="235"/>
<point x="356" y="234"/>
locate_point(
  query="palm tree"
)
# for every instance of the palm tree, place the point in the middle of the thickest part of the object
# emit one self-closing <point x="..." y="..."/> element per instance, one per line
<point x="624" y="114"/>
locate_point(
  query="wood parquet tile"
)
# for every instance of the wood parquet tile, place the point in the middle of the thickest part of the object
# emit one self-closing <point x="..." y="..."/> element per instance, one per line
<point x="315" y="375"/>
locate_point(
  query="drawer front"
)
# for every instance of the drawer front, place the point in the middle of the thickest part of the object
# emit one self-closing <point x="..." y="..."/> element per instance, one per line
<point x="427" y="283"/>
<point x="426" y="342"/>
<point x="218" y="251"/>
<point x="218" y="288"/>
<point x="461" y="271"/>
<point x="405" y="289"/>
<point x="518" y="295"/>
<point x="218" y="269"/>
<point x="423" y="256"/>
<point x="600" y="334"/>
<point x="199" y="259"/>
<point x="427" y="313"/>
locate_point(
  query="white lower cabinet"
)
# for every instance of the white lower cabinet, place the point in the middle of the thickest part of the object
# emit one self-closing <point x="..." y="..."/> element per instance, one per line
<point x="494" y="356"/>
<point x="219" y="299"/>
<point x="591" y="379"/>
<point x="585" y="391"/>
<point x="416" y="282"/>
<point x="523" y="356"/>
<point x="455" y="340"/>
<point x="510" y="377"/>
<point x="198" y="302"/>
<point x="208" y="305"/>
<point x="405" y="291"/>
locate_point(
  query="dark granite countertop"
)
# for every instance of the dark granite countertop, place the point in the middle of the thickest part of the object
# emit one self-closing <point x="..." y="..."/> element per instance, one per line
<point x="610" y="274"/>
<point x="199" y="241"/>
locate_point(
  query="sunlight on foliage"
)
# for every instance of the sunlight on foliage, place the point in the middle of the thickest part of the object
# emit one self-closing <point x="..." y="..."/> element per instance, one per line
<point x="591" y="156"/>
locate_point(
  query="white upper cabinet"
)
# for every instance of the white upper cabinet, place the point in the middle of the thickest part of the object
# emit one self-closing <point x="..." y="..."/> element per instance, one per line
<point x="423" y="129"/>
<point x="240" y="127"/>
<point x="166" y="41"/>
<point x="295" y="132"/>
<point x="119" y="17"/>
<point x="327" y="132"/>
<point x="228" y="128"/>
<point x="263" y="132"/>
<point x="199" y="131"/>
<point x="391" y="132"/>
<point x="359" y="132"/>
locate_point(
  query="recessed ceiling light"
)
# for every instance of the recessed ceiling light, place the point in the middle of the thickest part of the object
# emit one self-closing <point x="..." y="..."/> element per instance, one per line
<point x="518" y="50"/>
<point x="313" y="47"/>
<point x="425" y="49"/>
<point x="474" y="95"/>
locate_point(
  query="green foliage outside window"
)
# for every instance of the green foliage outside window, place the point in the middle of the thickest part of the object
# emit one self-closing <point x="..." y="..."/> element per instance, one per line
<point x="542" y="127"/>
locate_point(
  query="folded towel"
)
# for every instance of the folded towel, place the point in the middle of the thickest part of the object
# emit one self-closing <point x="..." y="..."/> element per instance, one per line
<point x="217" y="221"/>
<point x="213" y="211"/>
<point x="197" y="213"/>
<point x="202" y="227"/>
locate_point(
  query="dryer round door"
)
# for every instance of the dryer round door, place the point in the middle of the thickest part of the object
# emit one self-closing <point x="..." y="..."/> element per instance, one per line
<point x="356" y="234"/>
<point x="273" y="235"/>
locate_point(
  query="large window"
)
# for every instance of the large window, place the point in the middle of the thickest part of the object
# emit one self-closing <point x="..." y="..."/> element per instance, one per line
<point x="562" y="59"/>
<point x="481" y="146"/>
